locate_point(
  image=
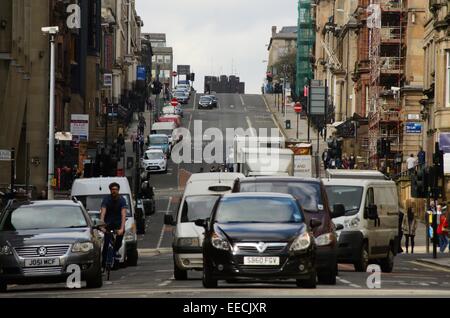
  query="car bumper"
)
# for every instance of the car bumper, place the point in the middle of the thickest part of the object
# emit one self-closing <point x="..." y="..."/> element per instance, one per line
<point x="13" y="271"/>
<point x="155" y="169"/>
<point x="188" y="258"/>
<point x="326" y="258"/>
<point x="227" y="266"/>
<point x="349" y="246"/>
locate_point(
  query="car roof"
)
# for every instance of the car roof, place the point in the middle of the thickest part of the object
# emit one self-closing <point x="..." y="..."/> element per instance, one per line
<point x="215" y="176"/>
<point x="67" y="203"/>
<point x="279" y="179"/>
<point x="154" y="150"/>
<point x="259" y="195"/>
<point x="357" y="182"/>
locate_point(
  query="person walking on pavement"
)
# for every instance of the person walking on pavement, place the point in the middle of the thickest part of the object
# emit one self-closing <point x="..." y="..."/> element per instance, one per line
<point x="134" y="140"/>
<point x="409" y="228"/>
<point x="442" y="230"/>
<point x="411" y="163"/>
<point x="421" y="155"/>
<point x="401" y="217"/>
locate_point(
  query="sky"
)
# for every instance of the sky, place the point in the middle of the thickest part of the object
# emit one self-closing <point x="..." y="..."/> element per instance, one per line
<point x="219" y="37"/>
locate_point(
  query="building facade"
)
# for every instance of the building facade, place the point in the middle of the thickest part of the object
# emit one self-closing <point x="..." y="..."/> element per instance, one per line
<point x="162" y="59"/>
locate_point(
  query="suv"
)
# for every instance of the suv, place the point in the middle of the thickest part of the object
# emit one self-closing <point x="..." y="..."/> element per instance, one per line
<point x="312" y="197"/>
<point x="39" y="241"/>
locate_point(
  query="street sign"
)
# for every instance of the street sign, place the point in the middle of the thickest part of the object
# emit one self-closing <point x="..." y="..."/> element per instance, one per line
<point x="444" y="142"/>
<point x="298" y="108"/>
<point x="413" y="128"/>
<point x="107" y="80"/>
<point x="79" y="126"/>
<point x="184" y="69"/>
<point x="174" y="73"/>
<point x="141" y="73"/>
<point x="174" y="103"/>
<point x="5" y="155"/>
<point x="317" y="100"/>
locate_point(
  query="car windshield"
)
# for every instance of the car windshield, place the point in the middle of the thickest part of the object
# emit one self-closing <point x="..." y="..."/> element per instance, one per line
<point x="307" y="194"/>
<point x="164" y="132"/>
<point x="205" y="99"/>
<point x="349" y="196"/>
<point x="258" y="210"/>
<point x="94" y="202"/>
<point x="153" y="156"/>
<point x="160" y="140"/>
<point x="43" y="217"/>
<point x="198" y="207"/>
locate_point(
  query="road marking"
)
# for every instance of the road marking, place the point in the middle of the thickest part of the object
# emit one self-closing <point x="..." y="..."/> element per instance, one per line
<point x="190" y="121"/>
<point x="167" y="282"/>
<point x="431" y="266"/>
<point x="195" y="98"/>
<point x="355" y="286"/>
<point x="164" y="227"/>
<point x="245" y="109"/>
<point x="242" y="100"/>
<point x="250" y="126"/>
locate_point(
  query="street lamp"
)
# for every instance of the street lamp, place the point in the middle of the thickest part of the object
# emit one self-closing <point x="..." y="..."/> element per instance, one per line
<point x="52" y="31"/>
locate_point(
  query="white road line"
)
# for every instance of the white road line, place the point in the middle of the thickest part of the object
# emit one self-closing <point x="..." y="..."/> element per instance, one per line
<point x="164" y="227"/>
<point x="250" y="126"/>
<point x="190" y="121"/>
<point x="167" y="282"/>
<point x="355" y="286"/>
<point x="195" y="103"/>
<point x="242" y="100"/>
<point x="431" y="266"/>
<point x="344" y="281"/>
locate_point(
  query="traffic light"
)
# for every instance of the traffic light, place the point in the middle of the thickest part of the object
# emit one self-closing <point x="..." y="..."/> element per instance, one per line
<point x="192" y="77"/>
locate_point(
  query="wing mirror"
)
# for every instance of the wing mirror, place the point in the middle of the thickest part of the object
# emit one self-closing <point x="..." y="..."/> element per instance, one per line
<point x="202" y="223"/>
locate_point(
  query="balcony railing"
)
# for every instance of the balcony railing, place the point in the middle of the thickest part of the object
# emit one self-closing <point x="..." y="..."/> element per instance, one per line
<point x="390" y="33"/>
<point x="391" y="63"/>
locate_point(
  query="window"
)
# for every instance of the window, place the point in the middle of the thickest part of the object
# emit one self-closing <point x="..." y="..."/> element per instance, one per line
<point x="167" y="59"/>
<point x="447" y="84"/>
<point x="160" y="58"/>
<point x="153" y="58"/>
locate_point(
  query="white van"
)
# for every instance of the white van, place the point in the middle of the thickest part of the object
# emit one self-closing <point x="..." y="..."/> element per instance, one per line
<point x="91" y="193"/>
<point x="167" y="128"/>
<point x="369" y="229"/>
<point x="201" y="194"/>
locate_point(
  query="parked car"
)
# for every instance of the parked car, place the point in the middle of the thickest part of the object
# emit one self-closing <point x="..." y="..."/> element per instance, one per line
<point x="40" y="240"/>
<point x="160" y="141"/>
<point x="91" y="192"/>
<point x="215" y="101"/>
<point x="258" y="236"/>
<point x="312" y="197"/>
<point x="155" y="160"/>
<point x="369" y="227"/>
<point x="201" y="192"/>
<point x="182" y="96"/>
<point x="171" y="119"/>
<point x="205" y="102"/>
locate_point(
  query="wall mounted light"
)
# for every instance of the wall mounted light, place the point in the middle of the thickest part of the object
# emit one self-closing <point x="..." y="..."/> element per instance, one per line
<point x="3" y="24"/>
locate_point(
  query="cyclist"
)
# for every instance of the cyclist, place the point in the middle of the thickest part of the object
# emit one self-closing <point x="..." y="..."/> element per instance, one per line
<point x="113" y="212"/>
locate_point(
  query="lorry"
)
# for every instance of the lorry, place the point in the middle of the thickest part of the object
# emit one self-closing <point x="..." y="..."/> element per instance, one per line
<point x="266" y="162"/>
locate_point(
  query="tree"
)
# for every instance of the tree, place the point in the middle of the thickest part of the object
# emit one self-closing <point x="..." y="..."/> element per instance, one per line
<point x="286" y="67"/>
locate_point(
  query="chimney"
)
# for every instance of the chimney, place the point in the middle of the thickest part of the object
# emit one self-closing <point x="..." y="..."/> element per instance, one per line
<point x="274" y="30"/>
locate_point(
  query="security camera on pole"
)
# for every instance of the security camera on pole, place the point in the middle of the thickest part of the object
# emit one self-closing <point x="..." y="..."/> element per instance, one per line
<point x="52" y="31"/>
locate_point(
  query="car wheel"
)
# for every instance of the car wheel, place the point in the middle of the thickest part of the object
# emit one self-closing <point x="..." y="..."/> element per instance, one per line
<point x="179" y="274"/>
<point x="328" y="278"/>
<point x="132" y="258"/>
<point x="96" y="281"/>
<point x="387" y="264"/>
<point x="363" y="261"/>
<point x="311" y="282"/>
<point x="3" y="287"/>
<point x="208" y="279"/>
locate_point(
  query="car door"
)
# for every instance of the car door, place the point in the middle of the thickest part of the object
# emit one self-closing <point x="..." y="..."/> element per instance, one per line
<point x="371" y="224"/>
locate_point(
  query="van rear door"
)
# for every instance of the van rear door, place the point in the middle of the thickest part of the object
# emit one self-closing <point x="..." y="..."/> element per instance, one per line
<point x="387" y="202"/>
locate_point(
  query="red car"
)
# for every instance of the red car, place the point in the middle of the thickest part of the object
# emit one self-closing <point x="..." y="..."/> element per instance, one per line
<point x="171" y="118"/>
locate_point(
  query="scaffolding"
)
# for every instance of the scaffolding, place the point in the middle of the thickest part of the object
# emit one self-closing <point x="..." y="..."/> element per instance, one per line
<point x="387" y="63"/>
<point x="305" y="45"/>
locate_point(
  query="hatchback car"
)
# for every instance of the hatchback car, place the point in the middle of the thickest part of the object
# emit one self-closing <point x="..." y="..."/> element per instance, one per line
<point x="312" y="197"/>
<point x="181" y="96"/>
<point x="206" y="102"/>
<point x="258" y="236"/>
<point x="160" y="141"/>
<point x="154" y="161"/>
<point x="40" y="240"/>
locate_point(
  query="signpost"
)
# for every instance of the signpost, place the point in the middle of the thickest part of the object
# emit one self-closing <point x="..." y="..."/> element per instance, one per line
<point x="298" y="109"/>
<point x="79" y="127"/>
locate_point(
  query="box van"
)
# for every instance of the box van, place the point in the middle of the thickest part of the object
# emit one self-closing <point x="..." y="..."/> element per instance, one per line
<point x="165" y="129"/>
<point x="201" y="194"/>
<point x="370" y="225"/>
<point x="91" y="193"/>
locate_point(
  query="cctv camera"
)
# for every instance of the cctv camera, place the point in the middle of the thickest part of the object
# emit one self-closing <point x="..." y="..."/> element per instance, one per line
<point x="50" y="30"/>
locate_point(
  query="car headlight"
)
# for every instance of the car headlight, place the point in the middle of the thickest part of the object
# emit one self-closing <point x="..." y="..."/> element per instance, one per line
<point x="325" y="239"/>
<point x="189" y="241"/>
<point x="353" y="222"/>
<point x="219" y="242"/>
<point x="5" y="250"/>
<point x="82" y="247"/>
<point x="301" y="243"/>
<point x="162" y="163"/>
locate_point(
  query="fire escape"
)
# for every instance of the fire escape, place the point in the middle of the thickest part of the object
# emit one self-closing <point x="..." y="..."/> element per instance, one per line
<point x="387" y="65"/>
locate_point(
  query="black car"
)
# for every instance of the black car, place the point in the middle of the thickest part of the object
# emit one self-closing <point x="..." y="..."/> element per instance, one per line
<point x="258" y="236"/>
<point x="312" y="197"/>
<point x="206" y="102"/>
<point x="214" y="100"/>
<point x="39" y="241"/>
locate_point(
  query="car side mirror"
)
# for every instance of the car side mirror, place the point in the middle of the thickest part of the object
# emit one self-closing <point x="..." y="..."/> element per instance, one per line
<point x="315" y="223"/>
<point x="201" y="223"/>
<point x="372" y="212"/>
<point x="339" y="227"/>
<point x="168" y="220"/>
<point x="338" y="211"/>
<point x="98" y="224"/>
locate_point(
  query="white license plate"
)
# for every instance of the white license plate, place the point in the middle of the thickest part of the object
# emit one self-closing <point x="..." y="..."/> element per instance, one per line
<point x="42" y="262"/>
<point x="263" y="261"/>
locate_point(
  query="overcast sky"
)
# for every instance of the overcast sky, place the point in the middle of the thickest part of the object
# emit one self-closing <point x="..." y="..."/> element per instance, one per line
<point x="213" y="35"/>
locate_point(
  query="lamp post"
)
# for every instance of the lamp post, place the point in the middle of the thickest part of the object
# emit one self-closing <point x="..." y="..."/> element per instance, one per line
<point x="52" y="31"/>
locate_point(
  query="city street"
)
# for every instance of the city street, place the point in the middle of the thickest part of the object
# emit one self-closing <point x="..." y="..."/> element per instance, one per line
<point x="153" y="277"/>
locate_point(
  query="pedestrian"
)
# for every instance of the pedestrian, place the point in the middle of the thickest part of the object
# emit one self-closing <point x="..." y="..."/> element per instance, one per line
<point x="141" y="143"/>
<point x="442" y="230"/>
<point x="326" y="159"/>
<point x="409" y="228"/>
<point x="411" y="163"/>
<point x="134" y="140"/>
<point x="401" y="216"/>
<point x="421" y="157"/>
<point x="352" y="162"/>
<point x="345" y="163"/>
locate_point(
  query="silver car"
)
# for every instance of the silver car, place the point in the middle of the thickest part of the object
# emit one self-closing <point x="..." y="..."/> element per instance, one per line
<point x="40" y="240"/>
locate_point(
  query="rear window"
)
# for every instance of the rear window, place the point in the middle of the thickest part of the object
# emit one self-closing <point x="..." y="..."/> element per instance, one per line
<point x="258" y="210"/>
<point x="198" y="207"/>
<point x="308" y="195"/>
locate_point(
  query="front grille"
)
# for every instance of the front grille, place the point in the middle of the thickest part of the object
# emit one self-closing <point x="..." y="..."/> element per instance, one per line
<point x="252" y="247"/>
<point x="260" y="269"/>
<point x="52" y="251"/>
<point x="42" y="271"/>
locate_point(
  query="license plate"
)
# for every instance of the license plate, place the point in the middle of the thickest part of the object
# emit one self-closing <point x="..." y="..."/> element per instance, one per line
<point x="42" y="262"/>
<point x="263" y="261"/>
<point x="154" y="168"/>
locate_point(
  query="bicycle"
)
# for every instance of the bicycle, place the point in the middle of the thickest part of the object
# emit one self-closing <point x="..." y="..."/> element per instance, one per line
<point x="111" y="253"/>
